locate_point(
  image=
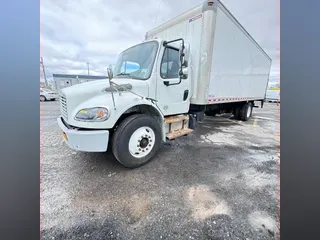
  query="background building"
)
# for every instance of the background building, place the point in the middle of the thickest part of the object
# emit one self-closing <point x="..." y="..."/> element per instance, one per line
<point x="273" y="92"/>
<point x="67" y="80"/>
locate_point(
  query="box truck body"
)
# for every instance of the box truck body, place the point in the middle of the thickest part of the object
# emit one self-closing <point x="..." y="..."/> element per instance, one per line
<point x="202" y="62"/>
<point x="226" y="63"/>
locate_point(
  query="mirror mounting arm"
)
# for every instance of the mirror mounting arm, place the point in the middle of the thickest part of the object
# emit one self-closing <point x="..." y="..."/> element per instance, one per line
<point x="183" y="62"/>
<point x="165" y="43"/>
<point x="168" y="84"/>
<point x="110" y="76"/>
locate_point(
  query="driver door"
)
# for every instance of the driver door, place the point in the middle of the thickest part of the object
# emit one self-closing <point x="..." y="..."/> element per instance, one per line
<point x="172" y="93"/>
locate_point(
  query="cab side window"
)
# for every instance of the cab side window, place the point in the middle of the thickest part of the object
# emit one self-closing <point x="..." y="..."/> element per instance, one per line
<point x="170" y="64"/>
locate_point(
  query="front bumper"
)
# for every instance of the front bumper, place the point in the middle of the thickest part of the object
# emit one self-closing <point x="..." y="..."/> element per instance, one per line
<point x="85" y="140"/>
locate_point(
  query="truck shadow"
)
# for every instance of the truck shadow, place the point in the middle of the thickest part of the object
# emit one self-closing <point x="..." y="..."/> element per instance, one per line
<point x="214" y="125"/>
<point x="211" y="125"/>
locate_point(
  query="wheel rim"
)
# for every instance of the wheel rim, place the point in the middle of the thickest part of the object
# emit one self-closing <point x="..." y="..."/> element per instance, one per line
<point x="141" y="142"/>
<point x="248" y="111"/>
<point x="41" y="98"/>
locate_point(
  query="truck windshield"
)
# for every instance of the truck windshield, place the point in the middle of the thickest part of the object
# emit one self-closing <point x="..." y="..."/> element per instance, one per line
<point x="137" y="62"/>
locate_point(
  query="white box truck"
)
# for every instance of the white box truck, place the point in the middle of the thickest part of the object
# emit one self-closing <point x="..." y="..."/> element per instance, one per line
<point x="202" y="62"/>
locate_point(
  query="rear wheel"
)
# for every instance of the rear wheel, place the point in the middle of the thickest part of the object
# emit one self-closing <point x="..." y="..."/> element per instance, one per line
<point x="42" y="98"/>
<point x="136" y="141"/>
<point x="236" y="113"/>
<point x="246" y="111"/>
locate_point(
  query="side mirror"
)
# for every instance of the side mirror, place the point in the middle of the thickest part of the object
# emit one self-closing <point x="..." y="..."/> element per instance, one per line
<point x="184" y="73"/>
<point x="184" y="51"/>
<point x="181" y="54"/>
<point x="186" y="55"/>
<point x="110" y="73"/>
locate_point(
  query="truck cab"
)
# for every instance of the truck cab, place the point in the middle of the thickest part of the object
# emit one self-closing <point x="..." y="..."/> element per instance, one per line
<point x="144" y="100"/>
<point x="158" y="65"/>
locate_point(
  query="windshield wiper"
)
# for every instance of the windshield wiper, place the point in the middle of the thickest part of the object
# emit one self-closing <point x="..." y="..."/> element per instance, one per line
<point x="115" y="86"/>
<point x="123" y="74"/>
<point x="127" y="74"/>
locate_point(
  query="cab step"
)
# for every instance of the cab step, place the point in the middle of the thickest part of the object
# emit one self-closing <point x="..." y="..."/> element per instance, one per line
<point x="177" y="126"/>
<point x="174" y="119"/>
<point x="178" y="133"/>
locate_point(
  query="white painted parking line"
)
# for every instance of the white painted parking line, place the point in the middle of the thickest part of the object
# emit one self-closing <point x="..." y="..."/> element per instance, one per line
<point x="234" y="121"/>
<point x="265" y="118"/>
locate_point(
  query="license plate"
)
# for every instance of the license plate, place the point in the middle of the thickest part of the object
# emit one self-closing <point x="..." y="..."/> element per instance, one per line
<point x="65" y="136"/>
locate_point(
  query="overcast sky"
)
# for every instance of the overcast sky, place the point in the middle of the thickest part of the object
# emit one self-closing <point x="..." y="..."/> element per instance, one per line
<point x="96" y="31"/>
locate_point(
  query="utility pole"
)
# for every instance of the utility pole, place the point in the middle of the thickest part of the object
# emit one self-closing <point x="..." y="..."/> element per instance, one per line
<point x="88" y="68"/>
<point x="44" y="73"/>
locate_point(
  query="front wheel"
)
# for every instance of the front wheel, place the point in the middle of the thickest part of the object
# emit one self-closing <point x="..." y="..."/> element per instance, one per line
<point x="136" y="141"/>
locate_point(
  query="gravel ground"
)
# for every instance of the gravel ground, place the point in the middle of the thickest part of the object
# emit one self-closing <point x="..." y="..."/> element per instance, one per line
<point x="221" y="182"/>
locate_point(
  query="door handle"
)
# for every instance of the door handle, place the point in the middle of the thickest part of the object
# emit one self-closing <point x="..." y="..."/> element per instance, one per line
<point x="185" y="95"/>
<point x="167" y="83"/>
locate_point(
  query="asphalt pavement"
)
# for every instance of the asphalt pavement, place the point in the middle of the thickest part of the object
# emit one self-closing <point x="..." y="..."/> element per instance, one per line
<point x="220" y="182"/>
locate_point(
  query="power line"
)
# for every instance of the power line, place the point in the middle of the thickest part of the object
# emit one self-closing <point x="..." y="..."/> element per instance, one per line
<point x="155" y="22"/>
<point x="44" y="73"/>
<point x="88" y="68"/>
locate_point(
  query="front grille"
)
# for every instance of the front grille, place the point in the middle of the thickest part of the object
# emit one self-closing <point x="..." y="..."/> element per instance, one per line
<point x="63" y="107"/>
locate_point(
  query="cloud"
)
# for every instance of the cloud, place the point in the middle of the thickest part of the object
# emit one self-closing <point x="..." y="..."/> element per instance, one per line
<point x="96" y="31"/>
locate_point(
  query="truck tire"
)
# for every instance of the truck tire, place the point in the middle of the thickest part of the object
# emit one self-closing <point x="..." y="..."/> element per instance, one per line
<point x="246" y="111"/>
<point x="136" y="140"/>
<point x="236" y="113"/>
<point x="210" y="113"/>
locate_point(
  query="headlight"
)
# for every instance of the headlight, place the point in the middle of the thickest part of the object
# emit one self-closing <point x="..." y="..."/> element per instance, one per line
<point x="93" y="114"/>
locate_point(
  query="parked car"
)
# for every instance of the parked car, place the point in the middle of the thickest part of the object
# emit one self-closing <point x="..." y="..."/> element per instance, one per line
<point x="48" y="95"/>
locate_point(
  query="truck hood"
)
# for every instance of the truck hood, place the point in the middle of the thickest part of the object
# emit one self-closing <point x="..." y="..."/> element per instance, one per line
<point x="94" y="88"/>
<point x="98" y="93"/>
